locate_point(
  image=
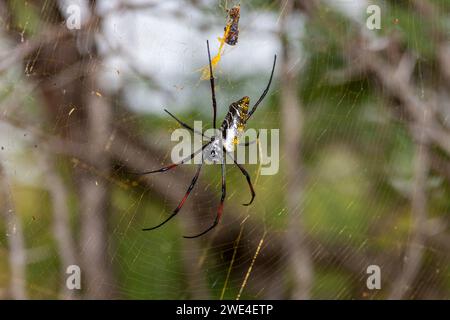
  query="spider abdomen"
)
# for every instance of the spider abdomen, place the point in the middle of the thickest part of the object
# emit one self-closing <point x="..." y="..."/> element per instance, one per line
<point x="233" y="125"/>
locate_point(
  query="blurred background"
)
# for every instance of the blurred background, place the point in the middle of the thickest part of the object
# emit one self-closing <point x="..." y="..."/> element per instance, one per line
<point x="364" y="119"/>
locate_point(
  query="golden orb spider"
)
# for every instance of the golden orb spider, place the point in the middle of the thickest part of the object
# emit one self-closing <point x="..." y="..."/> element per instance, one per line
<point x="221" y="144"/>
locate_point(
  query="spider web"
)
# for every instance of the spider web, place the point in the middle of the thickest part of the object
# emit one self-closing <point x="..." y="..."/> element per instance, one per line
<point x="358" y="165"/>
<point x="202" y="267"/>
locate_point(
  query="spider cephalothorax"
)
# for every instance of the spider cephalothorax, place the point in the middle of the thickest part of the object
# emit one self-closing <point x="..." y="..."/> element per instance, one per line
<point x="219" y="146"/>
<point x="213" y="153"/>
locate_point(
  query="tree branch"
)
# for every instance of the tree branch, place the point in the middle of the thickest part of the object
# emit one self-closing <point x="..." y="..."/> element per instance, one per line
<point x="14" y="235"/>
<point x="299" y="254"/>
<point x="415" y="248"/>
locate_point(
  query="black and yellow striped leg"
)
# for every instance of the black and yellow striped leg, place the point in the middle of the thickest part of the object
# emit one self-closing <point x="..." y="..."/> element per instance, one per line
<point x="173" y="165"/>
<point x="213" y="90"/>
<point x="265" y="90"/>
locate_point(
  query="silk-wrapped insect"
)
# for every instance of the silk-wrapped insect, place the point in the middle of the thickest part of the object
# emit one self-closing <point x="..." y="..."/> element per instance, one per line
<point x="230" y="37"/>
<point x="232" y="27"/>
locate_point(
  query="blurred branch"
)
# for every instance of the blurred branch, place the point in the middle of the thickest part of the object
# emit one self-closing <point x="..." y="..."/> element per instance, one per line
<point x="48" y="35"/>
<point x="61" y="218"/>
<point x="299" y="254"/>
<point x="415" y="248"/>
<point x="95" y="196"/>
<point x="440" y="165"/>
<point x="126" y="150"/>
<point x="96" y="138"/>
<point x="395" y="76"/>
<point x="129" y="152"/>
<point x="15" y="238"/>
<point x="428" y="11"/>
<point x="396" y="82"/>
<point x="137" y="157"/>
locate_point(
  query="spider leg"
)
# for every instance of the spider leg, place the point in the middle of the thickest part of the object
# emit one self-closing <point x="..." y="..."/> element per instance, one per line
<point x="173" y="165"/>
<point x="220" y="209"/>
<point x="247" y="176"/>
<point x="180" y="205"/>
<point x="185" y="125"/>
<point x="211" y="80"/>
<point x="265" y="90"/>
<point x="246" y="144"/>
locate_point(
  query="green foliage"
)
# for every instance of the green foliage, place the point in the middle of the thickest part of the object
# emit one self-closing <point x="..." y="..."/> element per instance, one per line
<point x="331" y="284"/>
<point x="358" y="169"/>
<point x="25" y="16"/>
